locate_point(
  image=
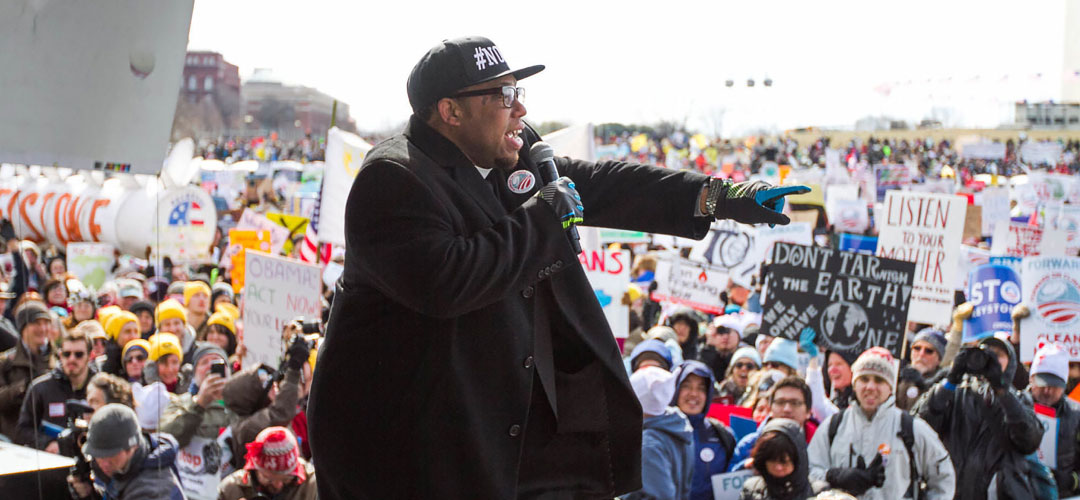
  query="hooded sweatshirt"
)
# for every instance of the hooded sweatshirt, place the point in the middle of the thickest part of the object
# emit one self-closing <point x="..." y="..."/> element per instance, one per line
<point x="152" y="473"/>
<point x="987" y="435"/>
<point x="667" y="447"/>
<point x="796" y="486"/>
<point x="713" y="441"/>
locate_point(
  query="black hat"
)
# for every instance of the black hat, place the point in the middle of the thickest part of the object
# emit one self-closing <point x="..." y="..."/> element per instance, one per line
<point x="455" y="64"/>
<point x="30" y="312"/>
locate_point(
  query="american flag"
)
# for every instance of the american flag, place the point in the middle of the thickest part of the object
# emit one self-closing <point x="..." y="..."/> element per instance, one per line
<point x="310" y="249"/>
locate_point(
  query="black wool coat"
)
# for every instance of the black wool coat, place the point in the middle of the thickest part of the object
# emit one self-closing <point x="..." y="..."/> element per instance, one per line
<point x="455" y="298"/>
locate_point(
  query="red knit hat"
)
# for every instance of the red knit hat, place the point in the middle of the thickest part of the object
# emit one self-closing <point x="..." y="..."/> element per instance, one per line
<point x="274" y="450"/>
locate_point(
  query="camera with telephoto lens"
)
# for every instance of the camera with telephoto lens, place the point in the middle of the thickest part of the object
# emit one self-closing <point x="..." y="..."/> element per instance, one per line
<point x="307" y="325"/>
<point x="71" y="440"/>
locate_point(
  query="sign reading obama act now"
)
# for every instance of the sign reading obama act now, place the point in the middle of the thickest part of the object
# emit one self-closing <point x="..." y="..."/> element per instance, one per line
<point x="925" y="228"/>
<point x="276" y="291"/>
<point x="852" y="301"/>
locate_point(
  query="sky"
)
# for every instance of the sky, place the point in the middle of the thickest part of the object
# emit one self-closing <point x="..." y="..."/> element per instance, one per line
<point x="832" y="62"/>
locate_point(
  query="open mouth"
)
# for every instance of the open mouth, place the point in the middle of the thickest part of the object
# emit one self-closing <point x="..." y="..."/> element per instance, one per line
<point x="513" y="139"/>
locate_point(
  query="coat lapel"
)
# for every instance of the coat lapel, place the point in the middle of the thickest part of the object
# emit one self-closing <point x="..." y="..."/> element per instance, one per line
<point x="457" y="165"/>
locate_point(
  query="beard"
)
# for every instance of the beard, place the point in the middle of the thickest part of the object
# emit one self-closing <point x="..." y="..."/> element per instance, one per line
<point x="506" y="163"/>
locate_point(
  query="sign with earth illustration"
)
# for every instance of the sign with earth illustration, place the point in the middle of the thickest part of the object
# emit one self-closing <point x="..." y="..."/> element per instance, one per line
<point x="849" y="301"/>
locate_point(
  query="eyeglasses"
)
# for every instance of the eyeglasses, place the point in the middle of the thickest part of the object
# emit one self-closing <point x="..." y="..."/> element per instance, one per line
<point x="509" y="94"/>
<point x="747" y="366"/>
<point x="135" y="357"/>
<point x="781" y="403"/>
<point x="76" y="354"/>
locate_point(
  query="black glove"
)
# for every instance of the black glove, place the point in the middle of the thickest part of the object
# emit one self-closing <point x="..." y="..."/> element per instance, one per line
<point x="993" y="372"/>
<point x="752" y="202"/>
<point x="961" y="363"/>
<point x="1067" y="482"/>
<point x="297" y="354"/>
<point x="854" y="480"/>
<point x="877" y="471"/>
<point x="564" y="200"/>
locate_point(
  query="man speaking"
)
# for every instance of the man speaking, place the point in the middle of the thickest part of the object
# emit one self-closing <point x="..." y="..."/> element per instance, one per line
<point x="466" y="355"/>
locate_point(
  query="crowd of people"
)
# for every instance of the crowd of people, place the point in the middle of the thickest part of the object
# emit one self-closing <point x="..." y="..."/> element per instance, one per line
<point x="157" y="364"/>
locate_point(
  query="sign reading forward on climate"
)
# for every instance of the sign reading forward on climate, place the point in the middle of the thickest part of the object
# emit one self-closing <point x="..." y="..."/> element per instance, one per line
<point x="852" y="301"/>
<point x="1052" y="293"/>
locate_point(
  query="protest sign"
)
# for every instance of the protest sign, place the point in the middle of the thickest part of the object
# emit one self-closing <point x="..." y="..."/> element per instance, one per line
<point x="345" y="154"/>
<point x="852" y="301"/>
<point x="890" y="177"/>
<point x="609" y="274"/>
<point x="252" y="221"/>
<point x="740" y="249"/>
<point x="925" y="228"/>
<point x="697" y="285"/>
<point x="728" y="486"/>
<point x="1051" y="288"/>
<point x="992" y="291"/>
<point x="92" y="263"/>
<point x="1065" y="219"/>
<point x="239" y="241"/>
<point x="847" y="215"/>
<point x="295" y="224"/>
<point x="621" y="236"/>
<point x="1041" y="152"/>
<point x="973" y="222"/>
<point x="1054" y="187"/>
<point x="970" y="258"/>
<point x="1016" y="239"/>
<point x="858" y="243"/>
<point x="276" y="290"/>
<point x="1047" y="452"/>
<point x="995" y="207"/>
<point x="983" y="150"/>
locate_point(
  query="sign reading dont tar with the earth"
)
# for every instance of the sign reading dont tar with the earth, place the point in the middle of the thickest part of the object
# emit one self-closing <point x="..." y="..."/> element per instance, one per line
<point x="852" y="301"/>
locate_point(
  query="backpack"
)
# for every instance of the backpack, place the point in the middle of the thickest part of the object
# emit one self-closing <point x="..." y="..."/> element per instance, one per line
<point x="907" y="435"/>
<point x="727" y="438"/>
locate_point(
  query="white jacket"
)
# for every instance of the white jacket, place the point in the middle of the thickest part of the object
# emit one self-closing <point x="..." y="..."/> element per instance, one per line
<point x="864" y="436"/>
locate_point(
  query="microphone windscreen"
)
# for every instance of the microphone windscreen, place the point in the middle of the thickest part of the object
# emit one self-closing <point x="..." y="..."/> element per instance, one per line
<point x="541" y="152"/>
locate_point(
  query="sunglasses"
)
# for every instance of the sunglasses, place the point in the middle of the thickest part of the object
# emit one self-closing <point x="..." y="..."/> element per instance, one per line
<point x="75" y="354"/>
<point x="509" y="94"/>
<point x="136" y="357"/>
<point x="773" y="365"/>
<point x="748" y="366"/>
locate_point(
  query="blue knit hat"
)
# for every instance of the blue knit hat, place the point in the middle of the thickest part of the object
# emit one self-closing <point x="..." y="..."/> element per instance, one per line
<point x="653" y="346"/>
<point x="783" y="351"/>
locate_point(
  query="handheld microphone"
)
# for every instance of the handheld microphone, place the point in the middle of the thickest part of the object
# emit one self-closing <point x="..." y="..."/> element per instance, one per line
<point x="543" y="156"/>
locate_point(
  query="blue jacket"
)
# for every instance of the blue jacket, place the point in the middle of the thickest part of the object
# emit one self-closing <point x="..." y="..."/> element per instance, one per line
<point x="713" y="441"/>
<point x="667" y="448"/>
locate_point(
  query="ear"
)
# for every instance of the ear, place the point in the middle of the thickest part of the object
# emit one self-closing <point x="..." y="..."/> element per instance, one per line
<point x="449" y="111"/>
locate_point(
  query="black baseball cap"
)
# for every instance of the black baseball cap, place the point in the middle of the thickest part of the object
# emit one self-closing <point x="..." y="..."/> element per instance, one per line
<point x="455" y="64"/>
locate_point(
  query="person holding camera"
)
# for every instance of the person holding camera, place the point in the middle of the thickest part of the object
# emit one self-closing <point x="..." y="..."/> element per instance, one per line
<point x="273" y="468"/>
<point x="197" y="419"/>
<point x="983" y="422"/>
<point x="127" y="462"/>
<point x="45" y="399"/>
<point x="260" y="401"/>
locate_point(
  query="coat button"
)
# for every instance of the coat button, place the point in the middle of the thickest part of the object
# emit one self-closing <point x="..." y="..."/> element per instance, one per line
<point x="528" y="362"/>
<point x="540" y="274"/>
<point x="528" y="291"/>
<point x="515" y="430"/>
<point x="558" y="264"/>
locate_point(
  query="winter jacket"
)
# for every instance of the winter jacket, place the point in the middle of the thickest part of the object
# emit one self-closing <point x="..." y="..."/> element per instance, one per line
<point x="985" y="433"/>
<point x="1067" y="469"/>
<point x="205" y="454"/>
<point x="44" y="402"/>
<point x="797" y="486"/>
<point x="9" y="336"/>
<point x="667" y="458"/>
<point x="17" y="369"/>
<point x="242" y="398"/>
<point x="241" y="484"/>
<point x="746" y="443"/>
<point x="713" y="441"/>
<point x="859" y="436"/>
<point x="152" y="473"/>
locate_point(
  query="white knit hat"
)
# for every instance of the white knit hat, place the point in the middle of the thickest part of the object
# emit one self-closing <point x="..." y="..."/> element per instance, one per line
<point x="875" y="361"/>
<point x="654" y="387"/>
<point x="150" y="403"/>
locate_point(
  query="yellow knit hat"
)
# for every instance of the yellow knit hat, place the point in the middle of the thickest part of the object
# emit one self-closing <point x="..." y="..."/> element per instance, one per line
<point x="169" y="309"/>
<point x="162" y="344"/>
<point x="230" y="309"/>
<point x="224" y="319"/>
<point x="193" y="287"/>
<point x="117" y="321"/>
<point x="106" y="313"/>
<point x="139" y="343"/>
